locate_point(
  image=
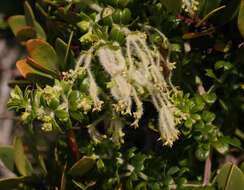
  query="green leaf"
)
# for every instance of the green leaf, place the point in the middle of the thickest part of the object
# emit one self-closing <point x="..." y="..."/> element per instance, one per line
<point x="221" y="146"/>
<point x="81" y="167"/>
<point x="22" y="164"/>
<point x="210" y="73"/>
<point x="40" y="32"/>
<point x="13" y="182"/>
<point x="223" y="64"/>
<point x="207" y="116"/>
<point x="29" y="15"/>
<point x="202" y="153"/>
<point x="61" y="48"/>
<point x="44" y="56"/>
<point x="173" y="170"/>
<point x="199" y="104"/>
<point x="18" y="23"/>
<point x="241" y="18"/>
<point x="31" y="73"/>
<point x="210" y="98"/>
<point x="232" y="141"/>
<point x="7" y="156"/>
<point x="230" y="177"/>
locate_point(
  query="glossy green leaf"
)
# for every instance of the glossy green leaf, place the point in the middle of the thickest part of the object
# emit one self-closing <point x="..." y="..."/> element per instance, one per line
<point x="40" y="31"/>
<point x="29" y="15"/>
<point x="7" y="156"/>
<point x="226" y="65"/>
<point x="210" y="98"/>
<point x="61" y="48"/>
<point x="202" y="153"/>
<point x="44" y="56"/>
<point x="22" y="164"/>
<point x="232" y="141"/>
<point x="173" y="170"/>
<point x="210" y="73"/>
<point x="16" y="23"/>
<point x="230" y="177"/>
<point x="221" y="146"/>
<point x="208" y="116"/>
<point x="241" y="18"/>
<point x="81" y="167"/>
<point x="31" y="73"/>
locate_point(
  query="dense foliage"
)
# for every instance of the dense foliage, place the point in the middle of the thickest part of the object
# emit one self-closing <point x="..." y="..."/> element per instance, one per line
<point x="128" y="94"/>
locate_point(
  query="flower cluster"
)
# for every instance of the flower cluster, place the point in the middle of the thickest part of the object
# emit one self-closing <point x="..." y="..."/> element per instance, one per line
<point x="135" y="73"/>
<point x="190" y="6"/>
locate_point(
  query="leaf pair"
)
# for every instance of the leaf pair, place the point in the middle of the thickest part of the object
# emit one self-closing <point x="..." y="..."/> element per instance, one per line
<point x="42" y="62"/>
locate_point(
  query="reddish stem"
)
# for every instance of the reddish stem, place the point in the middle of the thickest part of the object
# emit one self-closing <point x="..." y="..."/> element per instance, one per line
<point x="72" y="143"/>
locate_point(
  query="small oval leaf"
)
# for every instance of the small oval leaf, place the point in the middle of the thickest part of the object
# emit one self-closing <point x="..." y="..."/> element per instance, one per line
<point x="43" y="54"/>
<point x="29" y="15"/>
<point x="82" y="166"/>
<point x="22" y="164"/>
<point x="34" y="75"/>
<point x="16" y="23"/>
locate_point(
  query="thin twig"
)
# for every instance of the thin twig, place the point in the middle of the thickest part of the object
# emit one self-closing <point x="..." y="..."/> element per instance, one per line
<point x="208" y="163"/>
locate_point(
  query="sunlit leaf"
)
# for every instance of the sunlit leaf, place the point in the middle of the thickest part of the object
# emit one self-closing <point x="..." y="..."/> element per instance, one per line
<point x="241" y="19"/>
<point x="16" y="23"/>
<point x="29" y="15"/>
<point x="44" y="56"/>
<point x="230" y="177"/>
<point x="61" y="48"/>
<point x="81" y="167"/>
<point x="31" y="73"/>
<point x="22" y="164"/>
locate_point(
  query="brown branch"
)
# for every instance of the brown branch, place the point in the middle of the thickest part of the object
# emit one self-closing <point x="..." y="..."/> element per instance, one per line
<point x="207" y="169"/>
<point x="72" y="143"/>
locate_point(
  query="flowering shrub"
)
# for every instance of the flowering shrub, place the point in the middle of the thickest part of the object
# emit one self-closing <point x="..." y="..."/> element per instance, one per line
<point x="128" y="94"/>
